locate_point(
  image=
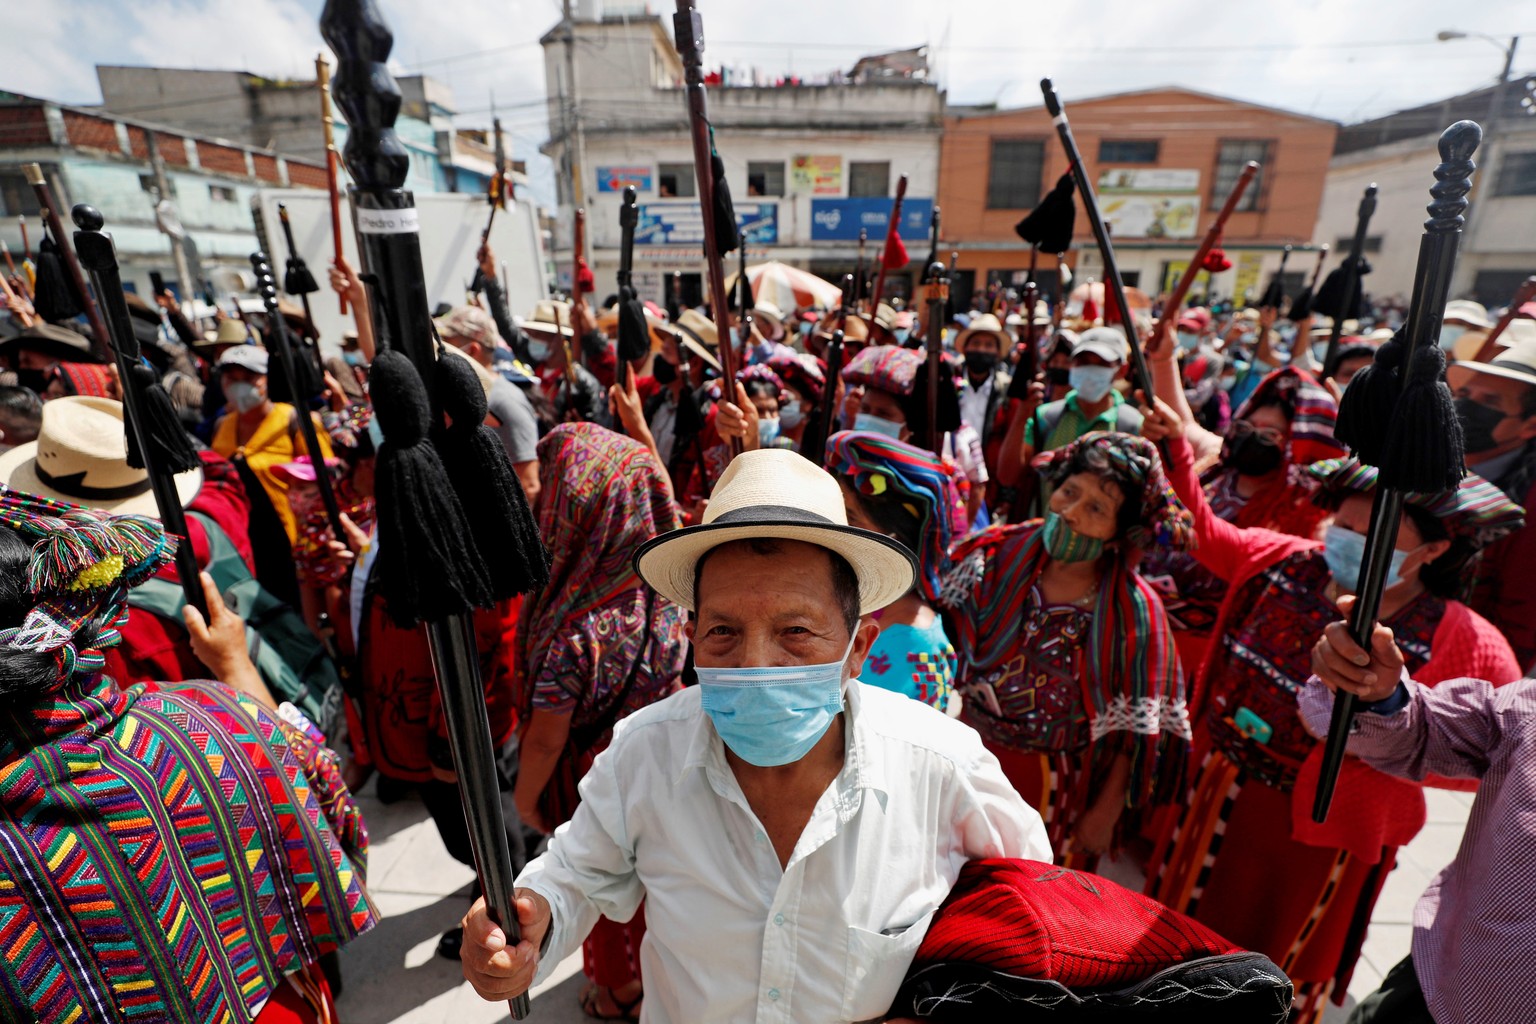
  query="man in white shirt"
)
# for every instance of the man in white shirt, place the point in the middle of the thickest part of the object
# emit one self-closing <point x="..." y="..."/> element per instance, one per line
<point x="791" y="830"/>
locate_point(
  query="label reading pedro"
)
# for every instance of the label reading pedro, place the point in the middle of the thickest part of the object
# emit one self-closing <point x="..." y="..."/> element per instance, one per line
<point x="388" y="222"/>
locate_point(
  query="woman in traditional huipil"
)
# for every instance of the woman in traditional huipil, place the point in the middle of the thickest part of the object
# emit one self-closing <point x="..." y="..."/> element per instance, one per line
<point x="1067" y="664"/>
<point x="593" y="645"/>
<point x="906" y="493"/>
<point x="1245" y="856"/>
<point x="174" y="852"/>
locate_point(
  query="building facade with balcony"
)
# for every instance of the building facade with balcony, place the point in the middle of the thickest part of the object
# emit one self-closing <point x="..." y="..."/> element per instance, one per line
<point x="1162" y="162"/>
<point x="808" y="164"/>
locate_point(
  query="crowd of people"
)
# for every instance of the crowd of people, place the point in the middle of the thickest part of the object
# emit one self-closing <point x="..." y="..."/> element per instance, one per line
<point x="767" y="707"/>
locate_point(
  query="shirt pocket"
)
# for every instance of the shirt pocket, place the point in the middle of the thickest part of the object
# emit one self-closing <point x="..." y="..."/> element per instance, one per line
<point x="877" y="965"/>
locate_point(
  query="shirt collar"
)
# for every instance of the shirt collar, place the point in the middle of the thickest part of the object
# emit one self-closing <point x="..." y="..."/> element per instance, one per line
<point x="863" y="762"/>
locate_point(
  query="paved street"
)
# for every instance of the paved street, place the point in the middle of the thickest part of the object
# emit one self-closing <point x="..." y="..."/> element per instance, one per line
<point x="393" y="977"/>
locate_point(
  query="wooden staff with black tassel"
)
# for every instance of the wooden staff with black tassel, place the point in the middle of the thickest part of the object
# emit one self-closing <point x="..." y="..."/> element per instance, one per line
<point x="101" y="341"/>
<point x="634" y="332"/>
<point x="721" y="234"/>
<point x="1398" y="415"/>
<point x="1175" y="301"/>
<point x="156" y="441"/>
<point x="431" y="564"/>
<point x="1114" y="285"/>
<point x="282" y="347"/>
<point x="938" y="298"/>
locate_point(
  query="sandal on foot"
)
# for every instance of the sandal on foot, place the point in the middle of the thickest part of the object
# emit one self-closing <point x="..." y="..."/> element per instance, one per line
<point x="594" y="992"/>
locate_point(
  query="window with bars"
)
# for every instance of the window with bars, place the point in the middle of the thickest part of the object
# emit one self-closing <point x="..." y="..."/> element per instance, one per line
<point x="1230" y="160"/>
<point x="1013" y="177"/>
<point x="1517" y="175"/>
<point x="1128" y="151"/>
<point x="869" y="178"/>
<point x="765" y="178"/>
<point x="675" y="181"/>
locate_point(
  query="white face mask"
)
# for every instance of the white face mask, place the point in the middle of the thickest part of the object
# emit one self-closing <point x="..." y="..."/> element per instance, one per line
<point x="243" y="396"/>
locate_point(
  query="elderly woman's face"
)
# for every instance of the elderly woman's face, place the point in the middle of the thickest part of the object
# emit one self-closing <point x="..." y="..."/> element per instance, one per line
<point x="772" y="609"/>
<point x="1089" y="504"/>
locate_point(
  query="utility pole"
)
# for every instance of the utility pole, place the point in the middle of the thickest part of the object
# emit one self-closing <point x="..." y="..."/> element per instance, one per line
<point x="575" y="147"/>
<point x="166" y="219"/>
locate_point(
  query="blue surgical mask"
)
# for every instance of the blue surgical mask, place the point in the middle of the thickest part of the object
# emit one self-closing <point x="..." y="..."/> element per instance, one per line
<point x="877" y="425"/>
<point x="353" y="358"/>
<point x="791" y="415"/>
<point x="1320" y="352"/>
<point x="1344" y="551"/>
<point x="772" y="715"/>
<point x="767" y="432"/>
<point x="901" y="334"/>
<point x="805" y="328"/>
<point x="1092" y="383"/>
<point x="538" y="350"/>
<point x="1188" y="341"/>
<point x="1449" y="333"/>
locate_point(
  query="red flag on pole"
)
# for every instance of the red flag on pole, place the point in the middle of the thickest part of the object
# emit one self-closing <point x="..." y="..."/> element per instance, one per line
<point x="895" y="256"/>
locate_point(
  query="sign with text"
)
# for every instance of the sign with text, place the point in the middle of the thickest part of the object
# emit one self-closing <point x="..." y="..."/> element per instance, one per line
<point x="614" y="179"/>
<point x="1149" y="179"/>
<point x="818" y="175"/>
<point x="682" y="223"/>
<point x="839" y="220"/>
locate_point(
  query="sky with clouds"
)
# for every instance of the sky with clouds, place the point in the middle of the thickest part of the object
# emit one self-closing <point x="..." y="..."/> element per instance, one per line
<point x="1340" y="59"/>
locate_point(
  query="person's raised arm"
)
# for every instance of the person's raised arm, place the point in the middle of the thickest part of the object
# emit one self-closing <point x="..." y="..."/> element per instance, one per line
<point x="1169" y="383"/>
<point x="220" y="644"/>
<point x="345" y="282"/>
<point x="1024" y="397"/>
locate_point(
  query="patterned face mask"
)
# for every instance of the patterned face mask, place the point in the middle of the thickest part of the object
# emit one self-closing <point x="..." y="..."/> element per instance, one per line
<point x="1067" y="545"/>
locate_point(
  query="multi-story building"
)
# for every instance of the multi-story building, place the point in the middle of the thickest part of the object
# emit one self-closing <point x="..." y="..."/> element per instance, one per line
<point x="107" y="162"/>
<point x="807" y="164"/>
<point x="1162" y="161"/>
<point x="1398" y="154"/>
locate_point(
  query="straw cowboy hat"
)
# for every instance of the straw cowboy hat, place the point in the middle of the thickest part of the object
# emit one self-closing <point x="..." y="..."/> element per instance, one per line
<point x="230" y="332"/>
<point x="984" y="323"/>
<point x="1516" y="362"/>
<point x="775" y="493"/>
<point x="81" y="457"/>
<point x="688" y="333"/>
<point x="544" y="318"/>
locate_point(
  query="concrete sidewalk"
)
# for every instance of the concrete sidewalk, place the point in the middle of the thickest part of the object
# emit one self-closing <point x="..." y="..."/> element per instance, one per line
<point x="392" y="975"/>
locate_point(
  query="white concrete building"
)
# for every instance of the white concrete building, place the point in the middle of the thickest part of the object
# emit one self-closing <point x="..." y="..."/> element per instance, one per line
<point x="806" y="163"/>
<point x="1398" y="153"/>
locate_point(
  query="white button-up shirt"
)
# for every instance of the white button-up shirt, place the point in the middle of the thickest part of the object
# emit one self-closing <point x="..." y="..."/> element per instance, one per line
<point x="732" y="936"/>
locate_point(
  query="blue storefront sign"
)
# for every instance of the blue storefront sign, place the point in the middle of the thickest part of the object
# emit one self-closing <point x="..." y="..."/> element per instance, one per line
<point x="613" y="179"/>
<point x="682" y="224"/>
<point x="839" y="220"/>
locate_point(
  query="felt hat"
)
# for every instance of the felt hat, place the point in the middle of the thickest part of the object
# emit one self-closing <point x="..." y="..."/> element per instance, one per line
<point x="81" y="457"/>
<point x="53" y="342"/>
<point x="778" y="494"/>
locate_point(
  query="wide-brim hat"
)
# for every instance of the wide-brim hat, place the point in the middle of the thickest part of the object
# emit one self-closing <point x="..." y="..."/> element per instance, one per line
<point x="54" y="342"/>
<point x="544" y="316"/>
<point x="1516" y="362"/>
<point x="1473" y="314"/>
<point x="769" y="319"/>
<point x="229" y="332"/>
<point x="774" y="493"/>
<point x="81" y="457"/>
<point x="984" y="323"/>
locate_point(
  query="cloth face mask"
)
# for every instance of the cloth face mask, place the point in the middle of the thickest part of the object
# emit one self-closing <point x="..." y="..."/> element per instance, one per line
<point x="1092" y="382"/>
<point x="772" y="715"/>
<point x="1067" y="545"/>
<point x="790" y="414"/>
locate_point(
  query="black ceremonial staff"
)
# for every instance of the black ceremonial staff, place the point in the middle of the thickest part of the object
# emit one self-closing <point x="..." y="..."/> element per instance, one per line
<point x="1397" y="415"/>
<point x="435" y="564"/>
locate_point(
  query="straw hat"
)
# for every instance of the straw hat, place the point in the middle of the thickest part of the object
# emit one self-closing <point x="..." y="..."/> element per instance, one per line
<point x="230" y="332"/>
<point x="660" y="329"/>
<point x="699" y="327"/>
<point x="1515" y="362"/>
<point x="81" y="457"/>
<point x="53" y="342"/>
<point x="984" y="323"/>
<point x="773" y="492"/>
<point x="544" y="318"/>
<point x="1465" y="311"/>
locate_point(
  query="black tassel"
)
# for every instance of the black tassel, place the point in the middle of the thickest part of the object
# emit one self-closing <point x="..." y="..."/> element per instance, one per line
<point x="690" y="420"/>
<point x="493" y="500"/>
<point x="1049" y="225"/>
<point x="1366" y="411"/>
<point x="634" y="332"/>
<point x="307" y="388"/>
<point x="1301" y="306"/>
<point x="1274" y="295"/>
<point x="171" y="444"/>
<point x="1426" y="454"/>
<point x="297" y="280"/>
<point x="428" y="562"/>
<point x="1331" y="301"/>
<point x="727" y="236"/>
<point x="54" y="298"/>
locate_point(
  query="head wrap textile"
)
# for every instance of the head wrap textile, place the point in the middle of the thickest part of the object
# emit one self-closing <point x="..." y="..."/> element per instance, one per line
<point x="85" y="379"/>
<point x="84" y="562"/>
<point x="762" y="372"/>
<point x="1134" y="464"/>
<point x="805" y="373"/>
<point x="1476" y="510"/>
<point x="876" y="466"/>
<point x="885" y="367"/>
